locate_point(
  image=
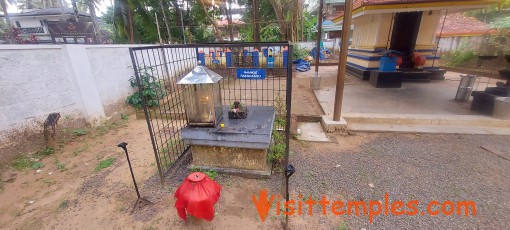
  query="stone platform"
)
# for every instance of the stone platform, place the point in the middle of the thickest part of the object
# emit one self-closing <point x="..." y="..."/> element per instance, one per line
<point x="240" y="147"/>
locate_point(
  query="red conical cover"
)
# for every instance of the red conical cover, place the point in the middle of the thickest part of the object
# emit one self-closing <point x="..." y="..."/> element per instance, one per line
<point x="197" y="196"/>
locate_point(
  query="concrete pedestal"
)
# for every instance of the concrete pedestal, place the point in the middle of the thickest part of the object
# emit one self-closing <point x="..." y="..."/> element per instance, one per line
<point x="381" y="79"/>
<point x="240" y="147"/>
<point x="315" y="83"/>
<point x="483" y="102"/>
<point x="502" y="108"/>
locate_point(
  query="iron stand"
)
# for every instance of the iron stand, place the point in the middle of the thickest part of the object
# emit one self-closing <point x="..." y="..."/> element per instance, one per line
<point x="140" y="201"/>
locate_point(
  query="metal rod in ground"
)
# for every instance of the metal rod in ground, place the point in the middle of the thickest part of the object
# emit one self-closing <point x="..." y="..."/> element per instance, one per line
<point x="289" y="170"/>
<point x="123" y="146"/>
<point x="319" y="38"/>
<point x="342" y="63"/>
<point x="139" y="201"/>
<point x="288" y="102"/>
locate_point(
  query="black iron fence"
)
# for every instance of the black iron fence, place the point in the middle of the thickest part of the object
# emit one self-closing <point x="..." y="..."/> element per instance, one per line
<point x="159" y="68"/>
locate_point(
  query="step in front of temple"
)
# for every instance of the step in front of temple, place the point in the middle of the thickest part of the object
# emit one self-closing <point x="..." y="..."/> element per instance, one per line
<point x="427" y="123"/>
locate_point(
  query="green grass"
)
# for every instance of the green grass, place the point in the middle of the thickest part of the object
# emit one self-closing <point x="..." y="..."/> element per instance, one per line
<point x="48" y="151"/>
<point x="79" y="132"/>
<point x="170" y="145"/>
<point x="107" y="126"/>
<point x="61" y="166"/>
<point x="37" y="165"/>
<point x="64" y="204"/>
<point x="22" y="163"/>
<point x="105" y="164"/>
<point x="80" y="149"/>
<point x="48" y="181"/>
<point x="343" y="226"/>
<point x="124" y="116"/>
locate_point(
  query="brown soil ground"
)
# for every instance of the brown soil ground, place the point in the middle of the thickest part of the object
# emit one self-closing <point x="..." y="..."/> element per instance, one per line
<point x="80" y="197"/>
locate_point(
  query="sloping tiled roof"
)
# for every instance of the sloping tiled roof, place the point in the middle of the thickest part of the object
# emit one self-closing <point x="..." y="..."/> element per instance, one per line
<point x="458" y="24"/>
<point x="362" y="3"/>
<point x="49" y="11"/>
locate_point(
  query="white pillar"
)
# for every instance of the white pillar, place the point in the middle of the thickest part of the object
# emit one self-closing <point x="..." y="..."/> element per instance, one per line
<point x="82" y="78"/>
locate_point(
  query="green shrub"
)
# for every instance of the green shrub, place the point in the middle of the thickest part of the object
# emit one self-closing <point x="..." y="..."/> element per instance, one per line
<point x="152" y="91"/>
<point x="210" y="173"/>
<point x="298" y="52"/>
<point x="459" y="57"/>
<point x="277" y="150"/>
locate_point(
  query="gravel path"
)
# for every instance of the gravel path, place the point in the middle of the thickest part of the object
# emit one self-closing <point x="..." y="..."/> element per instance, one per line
<point x="406" y="166"/>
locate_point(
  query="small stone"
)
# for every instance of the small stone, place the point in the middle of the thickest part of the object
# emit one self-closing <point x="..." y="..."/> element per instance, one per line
<point x="38" y="171"/>
<point x="418" y="134"/>
<point x="86" y="163"/>
<point x="50" y="173"/>
<point x="371" y="185"/>
<point x="337" y="166"/>
<point x="31" y="202"/>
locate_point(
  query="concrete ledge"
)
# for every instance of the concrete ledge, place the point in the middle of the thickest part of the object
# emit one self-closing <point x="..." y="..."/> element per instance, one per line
<point x="331" y="126"/>
<point x="428" y="123"/>
<point x="429" y="129"/>
<point x="427" y="119"/>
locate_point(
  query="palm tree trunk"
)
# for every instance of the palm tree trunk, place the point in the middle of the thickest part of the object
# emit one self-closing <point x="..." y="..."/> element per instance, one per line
<point x="217" y="32"/>
<point x="163" y="9"/>
<point x="3" y="4"/>
<point x="294" y="23"/>
<point x="255" y="19"/>
<point x="282" y="23"/>
<point x="131" y="34"/>
<point x="92" y="9"/>
<point x="229" y="19"/>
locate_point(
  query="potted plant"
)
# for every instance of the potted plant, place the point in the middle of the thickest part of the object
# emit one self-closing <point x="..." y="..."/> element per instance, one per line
<point x="237" y="111"/>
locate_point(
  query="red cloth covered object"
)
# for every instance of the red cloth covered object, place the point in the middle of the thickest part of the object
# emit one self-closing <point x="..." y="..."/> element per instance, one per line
<point x="197" y="196"/>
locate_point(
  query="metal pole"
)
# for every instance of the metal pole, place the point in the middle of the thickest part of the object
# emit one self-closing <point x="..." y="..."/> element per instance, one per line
<point x="342" y="63"/>
<point x="289" y="169"/>
<point x="123" y="146"/>
<point x="319" y="35"/>
<point x="140" y="201"/>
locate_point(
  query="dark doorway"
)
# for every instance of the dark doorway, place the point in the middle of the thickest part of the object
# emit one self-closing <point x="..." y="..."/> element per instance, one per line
<point x="404" y="34"/>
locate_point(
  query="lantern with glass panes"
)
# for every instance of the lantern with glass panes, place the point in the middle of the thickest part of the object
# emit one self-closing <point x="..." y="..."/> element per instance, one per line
<point x="202" y="97"/>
